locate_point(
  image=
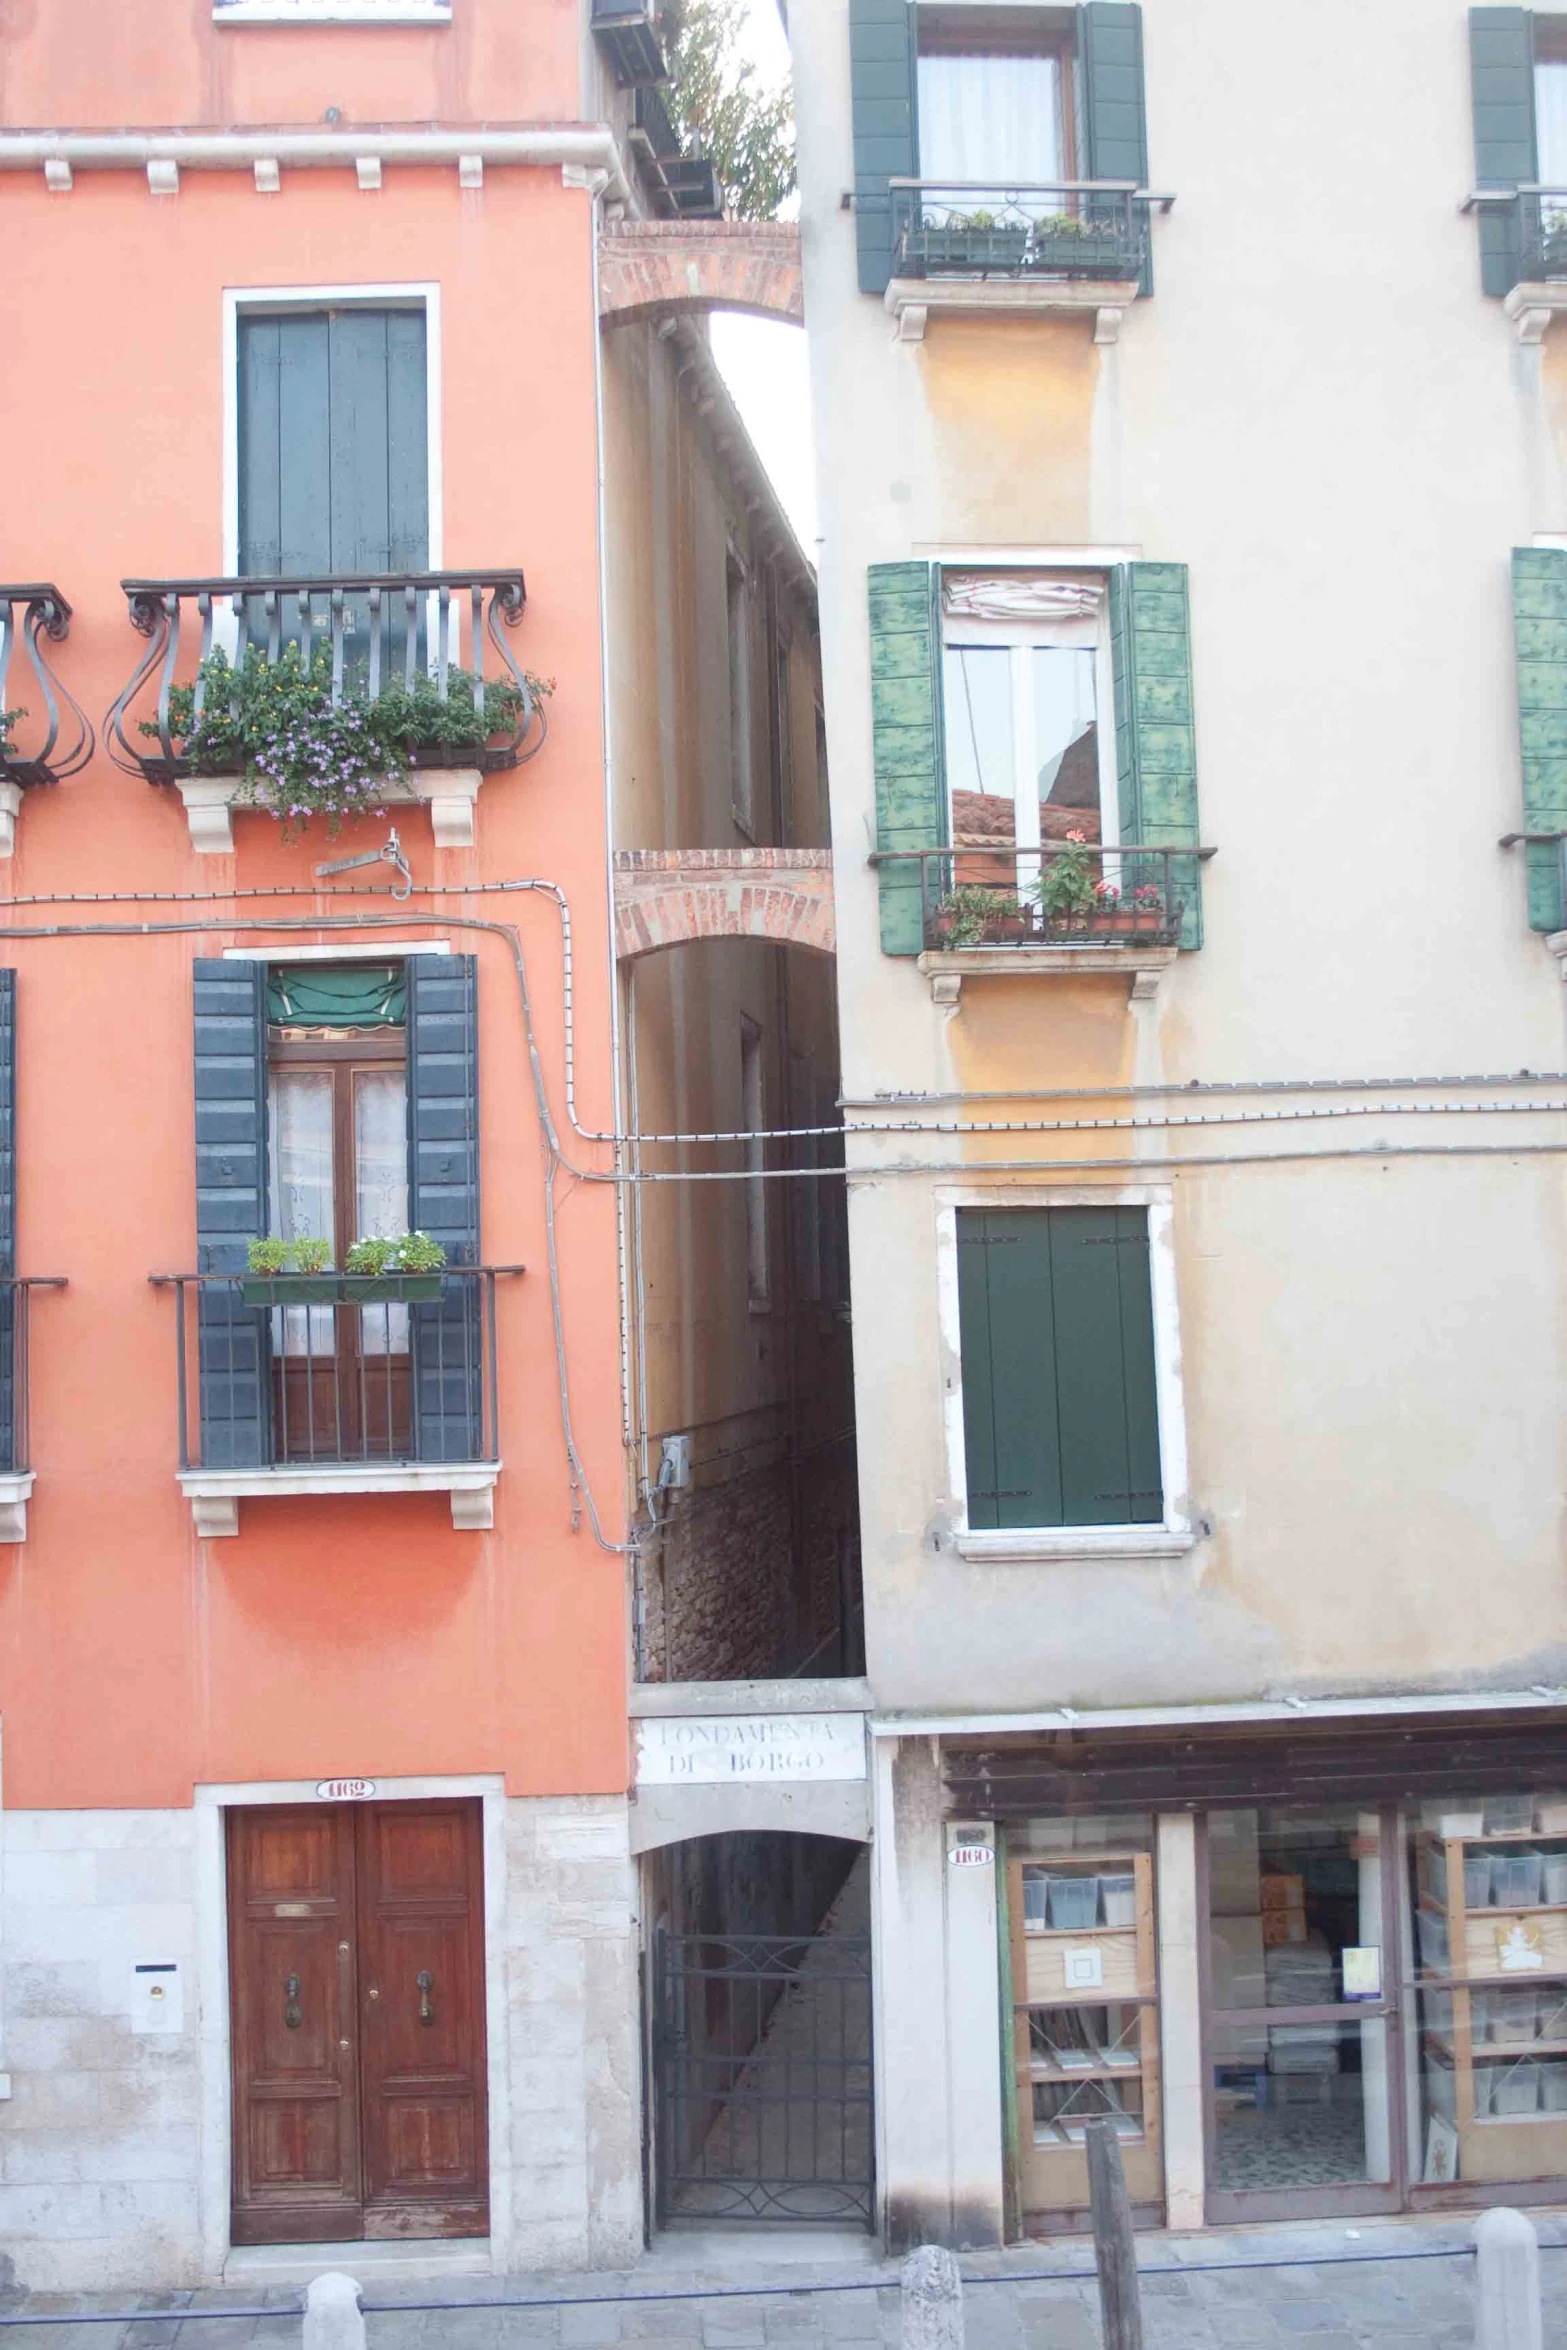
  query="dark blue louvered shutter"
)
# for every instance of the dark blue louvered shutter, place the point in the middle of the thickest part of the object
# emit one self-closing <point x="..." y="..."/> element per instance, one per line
<point x="443" y="1200"/>
<point x="1501" y="66"/>
<point x="1112" y="122"/>
<point x="885" y="116"/>
<point x="8" y="1398"/>
<point x="234" y="1352"/>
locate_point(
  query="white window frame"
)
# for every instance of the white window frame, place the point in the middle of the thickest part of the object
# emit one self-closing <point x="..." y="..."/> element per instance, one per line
<point x="753" y="1121"/>
<point x="1020" y="637"/>
<point x="422" y="294"/>
<point x="737" y="646"/>
<point x="338" y="12"/>
<point x="1174" y="1534"/>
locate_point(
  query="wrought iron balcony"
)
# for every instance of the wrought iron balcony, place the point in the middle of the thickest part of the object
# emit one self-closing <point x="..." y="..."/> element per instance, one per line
<point x="1059" y="894"/>
<point x="67" y="737"/>
<point x="681" y="185"/>
<point x="1059" y="228"/>
<point x="1529" y="224"/>
<point x="384" y="629"/>
<point x="628" y="32"/>
<point x="16" y="1465"/>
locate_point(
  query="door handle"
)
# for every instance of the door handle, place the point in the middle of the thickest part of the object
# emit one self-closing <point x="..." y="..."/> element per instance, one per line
<point x="291" y="2016"/>
<point x="426" y="1982"/>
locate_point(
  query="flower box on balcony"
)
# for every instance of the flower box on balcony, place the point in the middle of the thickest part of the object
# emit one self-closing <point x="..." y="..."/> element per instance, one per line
<point x="968" y="246"/>
<point x="358" y="1289"/>
<point x="1082" y="252"/>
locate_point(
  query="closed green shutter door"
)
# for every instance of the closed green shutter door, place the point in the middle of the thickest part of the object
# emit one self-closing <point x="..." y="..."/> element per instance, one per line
<point x="1540" y="633"/>
<point x="333" y="444"/>
<point x="911" y="782"/>
<point x="886" y="146"/>
<point x="235" y="1370"/>
<point x="1155" y="729"/>
<point x="443" y="1200"/>
<point x="1501" y="60"/>
<point x="1060" y="1415"/>
<point x="1112" y="113"/>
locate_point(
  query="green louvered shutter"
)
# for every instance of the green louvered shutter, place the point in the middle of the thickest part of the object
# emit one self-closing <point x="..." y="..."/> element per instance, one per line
<point x="911" y="781"/>
<point x="1540" y="633"/>
<point x="333" y="447"/>
<point x="886" y="139"/>
<point x="1112" y="118"/>
<point x="1060" y="1415"/>
<point x="443" y="1200"/>
<point x="1501" y="57"/>
<point x="1155" y="734"/>
<point x="235" y="1373"/>
<point x="8" y="1398"/>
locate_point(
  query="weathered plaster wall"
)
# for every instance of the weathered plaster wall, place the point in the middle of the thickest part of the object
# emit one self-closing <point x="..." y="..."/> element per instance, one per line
<point x="1321" y="415"/>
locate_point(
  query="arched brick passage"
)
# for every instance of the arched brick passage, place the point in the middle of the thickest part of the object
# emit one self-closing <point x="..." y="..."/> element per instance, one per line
<point x="667" y="897"/>
<point x="658" y="268"/>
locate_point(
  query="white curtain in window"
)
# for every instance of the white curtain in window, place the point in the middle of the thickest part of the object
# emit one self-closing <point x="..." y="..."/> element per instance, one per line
<point x="300" y="1175"/>
<point x="1019" y="595"/>
<point x="995" y="119"/>
<point x="381" y="1188"/>
<point x="1550" y="116"/>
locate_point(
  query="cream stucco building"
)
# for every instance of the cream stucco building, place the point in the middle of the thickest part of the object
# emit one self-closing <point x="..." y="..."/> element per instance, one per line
<point x="1191" y="411"/>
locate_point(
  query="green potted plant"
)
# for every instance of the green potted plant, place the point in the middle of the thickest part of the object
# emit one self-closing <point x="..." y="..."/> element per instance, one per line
<point x="379" y="1270"/>
<point x="302" y="755"/>
<point x="1553" y="243"/>
<point x="970" y="916"/>
<point x="1061" y="244"/>
<point x="1068" y="886"/>
<point x="969" y="243"/>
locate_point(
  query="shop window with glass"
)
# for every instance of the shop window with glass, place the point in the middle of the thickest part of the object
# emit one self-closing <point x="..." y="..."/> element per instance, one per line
<point x="1488" y="1891"/>
<point x="1303" y="2118"/>
<point x="1084" y="1968"/>
<point x="1060" y="1410"/>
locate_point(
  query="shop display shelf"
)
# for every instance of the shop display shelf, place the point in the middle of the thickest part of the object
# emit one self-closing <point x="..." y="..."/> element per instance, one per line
<point x="1496" y="2051"/>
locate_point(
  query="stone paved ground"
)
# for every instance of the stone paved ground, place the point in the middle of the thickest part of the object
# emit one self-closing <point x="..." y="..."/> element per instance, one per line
<point x="1220" y="2296"/>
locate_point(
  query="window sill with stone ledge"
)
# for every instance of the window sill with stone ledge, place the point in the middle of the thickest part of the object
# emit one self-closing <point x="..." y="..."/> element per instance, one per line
<point x="16" y="1491"/>
<point x="1073" y="1545"/>
<point x="215" y="1494"/>
<point x="1144" y="966"/>
<point x="450" y="793"/>
<point x="913" y="300"/>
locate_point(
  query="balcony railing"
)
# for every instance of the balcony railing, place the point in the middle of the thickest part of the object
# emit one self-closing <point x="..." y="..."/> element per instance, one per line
<point x="331" y="1370"/>
<point x="1056" y="228"/>
<point x="681" y="185"/>
<point x="44" y="703"/>
<point x="383" y="629"/>
<point x="16" y="1293"/>
<point x="1060" y="894"/>
<point x="1533" y="221"/>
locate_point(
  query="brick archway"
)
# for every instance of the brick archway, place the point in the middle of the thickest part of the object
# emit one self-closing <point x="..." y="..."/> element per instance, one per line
<point x="668" y="897"/>
<point x="660" y="268"/>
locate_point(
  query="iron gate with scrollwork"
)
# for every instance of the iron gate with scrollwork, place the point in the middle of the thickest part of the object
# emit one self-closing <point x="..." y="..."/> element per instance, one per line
<point x="762" y="2077"/>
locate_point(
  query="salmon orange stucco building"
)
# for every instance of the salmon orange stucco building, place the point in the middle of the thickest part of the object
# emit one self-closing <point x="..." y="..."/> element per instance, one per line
<point x="318" y="1918"/>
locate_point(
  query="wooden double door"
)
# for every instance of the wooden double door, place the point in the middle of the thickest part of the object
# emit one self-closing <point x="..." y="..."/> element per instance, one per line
<point x="356" y="1961"/>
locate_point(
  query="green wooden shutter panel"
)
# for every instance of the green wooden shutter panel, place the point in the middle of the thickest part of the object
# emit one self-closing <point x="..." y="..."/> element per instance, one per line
<point x="1540" y="634"/>
<point x="443" y="1200"/>
<point x="234" y="1365"/>
<point x="1155" y="730"/>
<point x="8" y="1413"/>
<point x="333" y="463"/>
<point x="886" y="146"/>
<point x="911" y="783"/>
<point x="1060" y="1413"/>
<point x="1501" y="58"/>
<point x="1112" y="110"/>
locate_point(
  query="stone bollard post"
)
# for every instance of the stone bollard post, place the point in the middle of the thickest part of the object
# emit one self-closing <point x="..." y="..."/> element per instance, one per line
<point x="931" y="2301"/>
<point x="1507" y="2283"/>
<point x="333" y="2317"/>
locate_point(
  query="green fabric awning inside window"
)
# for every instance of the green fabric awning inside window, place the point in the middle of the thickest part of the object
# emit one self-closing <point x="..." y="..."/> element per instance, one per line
<point x="333" y="995"/>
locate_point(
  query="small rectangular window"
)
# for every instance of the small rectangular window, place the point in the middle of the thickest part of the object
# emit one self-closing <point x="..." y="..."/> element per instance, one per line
<point x="1060" y="1414"/>
<point x="753" y="1121"/>
<point x="742" y="789"/>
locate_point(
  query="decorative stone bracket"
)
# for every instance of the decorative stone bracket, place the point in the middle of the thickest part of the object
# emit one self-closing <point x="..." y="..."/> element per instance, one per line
<point x="1106" y="300"/>
<point x="450" y="793"/>
<point x="215" y="1494"/>
<point x="15" y="1493"/>
<point x="1144" y="966"/>
<point x="1532" y="307"/>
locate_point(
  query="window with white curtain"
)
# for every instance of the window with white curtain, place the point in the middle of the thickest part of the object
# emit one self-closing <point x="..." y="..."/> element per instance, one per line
<point x="993" y="94"/>
<point x="1550" y="121"/>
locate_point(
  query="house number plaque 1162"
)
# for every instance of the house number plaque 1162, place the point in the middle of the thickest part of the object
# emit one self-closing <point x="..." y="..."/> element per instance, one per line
<point x="345" y="1790"/>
